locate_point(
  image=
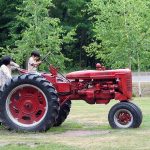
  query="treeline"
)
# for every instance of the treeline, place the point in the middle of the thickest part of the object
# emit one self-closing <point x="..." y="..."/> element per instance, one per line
<point x="78" y="33"/>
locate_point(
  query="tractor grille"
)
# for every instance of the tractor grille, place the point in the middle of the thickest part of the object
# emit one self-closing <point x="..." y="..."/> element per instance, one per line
<point x="129" y="83"/>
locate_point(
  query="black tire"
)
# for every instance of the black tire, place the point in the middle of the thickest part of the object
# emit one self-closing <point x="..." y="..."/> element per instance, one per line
<point x="39" y="113"/>
<point x="63" y="113"/>
<point x="139" y="114"/>
<point x="125" y="115"/>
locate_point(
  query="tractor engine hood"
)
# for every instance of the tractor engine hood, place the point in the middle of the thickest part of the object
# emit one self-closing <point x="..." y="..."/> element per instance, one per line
<point x="97" y="74"/>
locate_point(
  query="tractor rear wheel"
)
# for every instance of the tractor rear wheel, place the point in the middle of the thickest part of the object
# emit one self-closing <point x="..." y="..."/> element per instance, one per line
<point x="125" y="115"/>
<point x="29" y="103"/>
<point x="63" y="113"/>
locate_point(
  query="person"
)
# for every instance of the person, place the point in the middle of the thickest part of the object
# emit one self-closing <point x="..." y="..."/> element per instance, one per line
<point x="34" y="62"/>
<point x="6" y="67"/>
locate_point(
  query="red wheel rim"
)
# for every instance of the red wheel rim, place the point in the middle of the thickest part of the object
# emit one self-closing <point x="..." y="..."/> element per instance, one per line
<point x="26" y="105"/>
<point x="123" y="118"/>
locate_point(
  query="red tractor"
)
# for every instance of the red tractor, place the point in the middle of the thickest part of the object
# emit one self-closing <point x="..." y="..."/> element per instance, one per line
<point x="32" y="102"/>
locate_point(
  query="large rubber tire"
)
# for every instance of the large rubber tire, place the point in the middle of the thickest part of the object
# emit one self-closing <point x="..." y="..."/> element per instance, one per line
<point x="63" y="113"/>
<point x="139" y="114"/>
<point x="125" y="115"/>
<point x="29" y="103"/>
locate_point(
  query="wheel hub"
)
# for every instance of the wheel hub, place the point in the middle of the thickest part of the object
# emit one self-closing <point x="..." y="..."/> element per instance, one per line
<point x="27" y="105"/>
<point x="124" y="118"/>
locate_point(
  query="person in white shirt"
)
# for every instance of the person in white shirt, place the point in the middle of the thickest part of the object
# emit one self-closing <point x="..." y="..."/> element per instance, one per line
<point x="34" y="62"/>
<point x="7" y="65"/>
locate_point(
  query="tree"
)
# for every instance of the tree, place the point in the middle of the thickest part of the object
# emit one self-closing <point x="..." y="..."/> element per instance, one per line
<point x="8" y="22"/>
<point x="121" y="32"/>
<point x="73" y="15"/>
<point x="42" y="32"/>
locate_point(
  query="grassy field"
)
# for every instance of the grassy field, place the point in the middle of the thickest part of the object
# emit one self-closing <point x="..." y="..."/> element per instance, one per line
<point x="86" y="128"/>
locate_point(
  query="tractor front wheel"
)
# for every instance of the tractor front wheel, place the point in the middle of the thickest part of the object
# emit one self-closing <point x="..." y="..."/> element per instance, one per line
<point x="125" y="115"/>
<point x="29" y="103"/>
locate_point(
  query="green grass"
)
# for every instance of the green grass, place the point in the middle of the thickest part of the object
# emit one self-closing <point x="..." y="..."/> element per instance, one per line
<point x="84" y="117"/>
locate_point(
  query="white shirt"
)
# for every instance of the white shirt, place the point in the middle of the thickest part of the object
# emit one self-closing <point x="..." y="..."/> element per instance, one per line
<point x="31" y="65"/>
<point x="5" y="75"/>
<point x="5" y="72"/>
<point x="13" y="65"/>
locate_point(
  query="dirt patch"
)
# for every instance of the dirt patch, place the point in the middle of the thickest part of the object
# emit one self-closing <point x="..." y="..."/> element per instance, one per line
<point x="29" y="144"/>
<point x="83" y="133"/>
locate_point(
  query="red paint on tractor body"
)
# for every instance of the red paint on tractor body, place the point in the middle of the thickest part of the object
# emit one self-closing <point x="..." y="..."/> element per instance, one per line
<point x="94" y="86"/>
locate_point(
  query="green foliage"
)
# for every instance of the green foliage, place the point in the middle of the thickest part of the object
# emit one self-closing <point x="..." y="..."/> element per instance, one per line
<point x="2" y="52"/>
<point x="121" y="31"/>
<point x="78" y="32"/>
<point x="6" y="51"/>
<point x="74" y="19"/>
<point x="42" y="32"/>
<point x="8" y="21"/>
